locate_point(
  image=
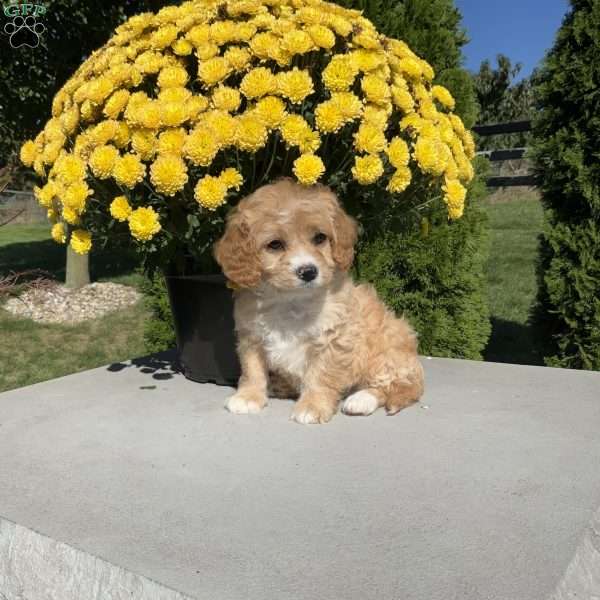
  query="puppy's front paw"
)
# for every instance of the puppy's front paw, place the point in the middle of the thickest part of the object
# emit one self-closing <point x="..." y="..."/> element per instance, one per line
<point x="309" y="413"/>
<point x="246" y="402"/>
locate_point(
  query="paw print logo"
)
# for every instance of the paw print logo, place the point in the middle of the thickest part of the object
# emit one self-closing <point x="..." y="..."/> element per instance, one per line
<point x="24" y="31"/>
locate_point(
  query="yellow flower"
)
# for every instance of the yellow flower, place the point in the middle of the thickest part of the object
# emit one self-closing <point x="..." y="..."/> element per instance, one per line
<point x="69" y="168"/>
<point x="182" y="47"/>
<point x="295" y="85"/>
<point x="263" y="45"/>
<point x="214" y="70"/>
<point x="367" y="169"/>
<point x="410" y="67"/>
<point x="398" y="153"/>
<point x="70" y="215"/>
<point x="210" y="192"/>
<point x="52" y="215"/>
<point x="45" y="194"/>
<point x="163" y="37"/>
<point x="308" y="168"/>
<point x="328" y="117"/>
<point x="375" y="89"/>
<point x="144" y="223"/>
<point x="129" y="170"/>
<point x="174" y="76"/>
<point x="222" y="32"/>
<point x="400" y="180"/>
<point x="429" y="154"/>
<point x="199" y="35"/>
<point x="469" y="144"/>
<point x="296" y="131"/>
<point x="201" y="147"/>
<point x="258" y="82"/>
<point x="454" y="197"/>
<point x="297" y="42"/>
<point x="174" y="94"/>
<point x="367" y="60"/>
<point x="28" y="153"/>
<point x="58" y="233"/>
<point x="81" y="241"/>
<point x="99" y="89"/>
<point x="339" y="74"/>
<point x="168" y="174"/>
<point x="443" y="96"/>
<point x="120" y="208"/>
<point x="251" y="133"/>
<point x="403" y="99"/>
<point x="51" y="152"/>
<point x="171" y="141"/>
<point x="206" y="52"/>
<point x="75" y="196"/>
<point x="102" y="161"/>
<point x="173" y="114"/>
<point x="121" y="137"/>
<point x="70" y="119"/>
<point x="270" y="110"/>
<point x="143" y="141"/>
<point x="348" y="104"/>
<point x="196" y="105"/>
<point x="223" y="127"/>
<point x="116" y="104"/>
<point x="232" y="178"/>
<point x="149" y="115"/>
<point x="340" y="25"/>
<point x="238" y="57"/>
<point x="322" y="36"/>
<point x="369" y="139"/>
<point x="226" y="98"/>
<point x="376" y="115"/>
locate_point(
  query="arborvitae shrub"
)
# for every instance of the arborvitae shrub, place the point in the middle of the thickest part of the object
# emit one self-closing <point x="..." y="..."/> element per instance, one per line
<point x="437" y="280"/>
<point x="567" y="161"/>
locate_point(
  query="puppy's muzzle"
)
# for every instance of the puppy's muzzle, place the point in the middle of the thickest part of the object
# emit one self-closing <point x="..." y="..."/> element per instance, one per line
<point x="307" y="272"/>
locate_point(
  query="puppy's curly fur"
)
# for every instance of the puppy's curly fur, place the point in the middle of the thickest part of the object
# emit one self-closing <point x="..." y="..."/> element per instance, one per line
<point x="304" y="328"/>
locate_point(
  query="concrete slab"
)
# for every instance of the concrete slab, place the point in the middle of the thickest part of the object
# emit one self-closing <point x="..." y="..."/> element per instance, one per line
<point x="131" y="482"/>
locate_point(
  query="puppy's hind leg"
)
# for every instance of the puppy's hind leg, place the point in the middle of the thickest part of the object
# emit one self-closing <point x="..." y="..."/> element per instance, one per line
<point x="405" y="390"/>
<point x="363" y="402"/>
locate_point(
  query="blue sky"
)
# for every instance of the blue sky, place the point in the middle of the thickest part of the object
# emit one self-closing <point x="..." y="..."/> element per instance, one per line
<point x="521" y="29"/>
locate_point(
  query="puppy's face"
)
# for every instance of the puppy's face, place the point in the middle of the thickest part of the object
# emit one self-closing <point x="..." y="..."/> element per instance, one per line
<point x="288" y="236"/>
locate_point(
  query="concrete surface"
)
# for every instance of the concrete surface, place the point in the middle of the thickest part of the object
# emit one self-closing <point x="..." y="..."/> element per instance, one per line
<point x="131" y="476"/>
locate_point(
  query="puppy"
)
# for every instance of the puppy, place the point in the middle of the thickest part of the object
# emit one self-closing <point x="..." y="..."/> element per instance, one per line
<point x="304" y="328"/>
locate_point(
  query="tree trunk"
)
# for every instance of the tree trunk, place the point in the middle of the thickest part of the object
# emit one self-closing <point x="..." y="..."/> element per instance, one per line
<point x="78" y="270"/>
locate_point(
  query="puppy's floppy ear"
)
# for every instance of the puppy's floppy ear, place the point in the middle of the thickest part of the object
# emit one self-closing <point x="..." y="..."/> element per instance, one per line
<point x="236" y="252"/>
<point x="345" y="234"/>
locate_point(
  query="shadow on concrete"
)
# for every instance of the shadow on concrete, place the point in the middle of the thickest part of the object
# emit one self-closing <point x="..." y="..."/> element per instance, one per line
<point x="160" y="366"/>
<point x="512" y="342"/>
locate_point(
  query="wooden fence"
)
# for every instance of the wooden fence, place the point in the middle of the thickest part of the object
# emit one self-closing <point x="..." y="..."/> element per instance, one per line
<point x="509" y="154"/>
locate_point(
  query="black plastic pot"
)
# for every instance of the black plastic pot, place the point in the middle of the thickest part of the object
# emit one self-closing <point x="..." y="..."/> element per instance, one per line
<point x="202" y="308"/>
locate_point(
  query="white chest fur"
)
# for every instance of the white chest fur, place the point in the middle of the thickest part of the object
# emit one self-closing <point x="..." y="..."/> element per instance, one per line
<point x="288" y="327"/>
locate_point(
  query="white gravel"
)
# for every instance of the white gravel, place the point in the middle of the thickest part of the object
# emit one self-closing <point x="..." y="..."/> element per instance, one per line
<point x="58" y="304"/>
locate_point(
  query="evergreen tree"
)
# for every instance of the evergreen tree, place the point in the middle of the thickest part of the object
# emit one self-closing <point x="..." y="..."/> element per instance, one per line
<point x="434" y="275"/>
<point x="566" y="155"/>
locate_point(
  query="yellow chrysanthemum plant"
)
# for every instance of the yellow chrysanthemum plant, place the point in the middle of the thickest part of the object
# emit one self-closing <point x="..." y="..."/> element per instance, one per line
<point x="184" y="112"/>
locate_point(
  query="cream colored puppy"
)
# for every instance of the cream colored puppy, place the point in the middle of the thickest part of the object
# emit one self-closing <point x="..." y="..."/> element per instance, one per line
<point x="304" y="328"/>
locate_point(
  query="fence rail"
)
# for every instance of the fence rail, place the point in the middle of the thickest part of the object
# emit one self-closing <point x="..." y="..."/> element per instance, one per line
<point x="507" y="154"/>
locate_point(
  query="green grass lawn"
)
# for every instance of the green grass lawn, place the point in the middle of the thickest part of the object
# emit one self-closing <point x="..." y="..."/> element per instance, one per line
<point x="515" y="222"/>
<point x="32" y="352"/>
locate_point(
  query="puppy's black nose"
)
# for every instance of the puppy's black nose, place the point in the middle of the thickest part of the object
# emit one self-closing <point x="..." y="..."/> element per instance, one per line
<point x="307" y="272"/>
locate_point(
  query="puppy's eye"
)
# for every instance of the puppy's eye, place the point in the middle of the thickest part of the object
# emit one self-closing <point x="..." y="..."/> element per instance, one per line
<point x="319" y="238"/>
<point x="275" y="245"/>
